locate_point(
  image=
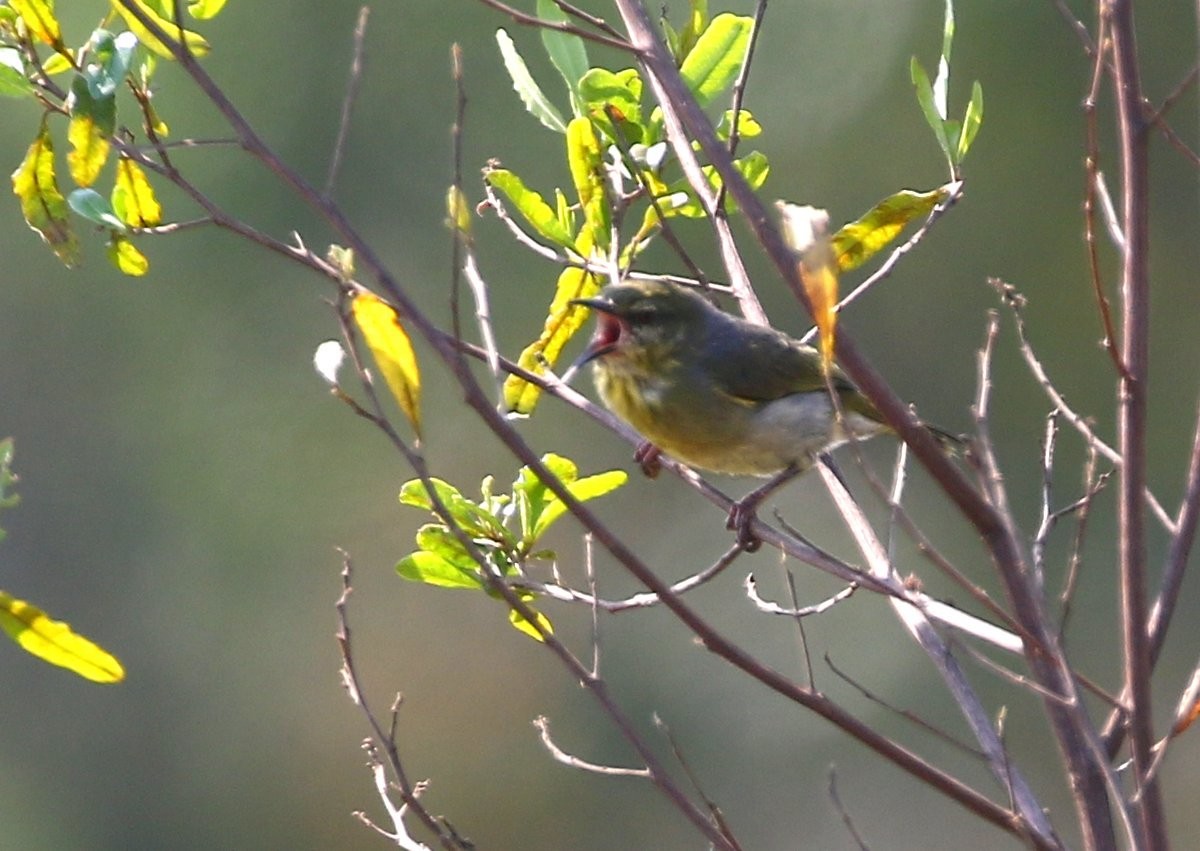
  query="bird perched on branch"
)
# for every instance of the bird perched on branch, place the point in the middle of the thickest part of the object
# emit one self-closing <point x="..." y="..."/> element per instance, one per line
<point x="717" y="392"/>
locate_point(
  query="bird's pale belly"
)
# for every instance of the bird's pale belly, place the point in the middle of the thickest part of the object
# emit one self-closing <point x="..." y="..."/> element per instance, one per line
<point x="739" y="437"/>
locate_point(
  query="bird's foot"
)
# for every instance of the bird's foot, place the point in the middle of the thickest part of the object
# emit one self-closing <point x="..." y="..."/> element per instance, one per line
<point x="744" y="511"/>
<point x="741" y="517"/>
<point x="647" y="455"/>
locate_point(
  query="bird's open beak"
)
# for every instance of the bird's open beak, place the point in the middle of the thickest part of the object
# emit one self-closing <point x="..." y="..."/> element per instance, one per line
<point x="608" y="331"/>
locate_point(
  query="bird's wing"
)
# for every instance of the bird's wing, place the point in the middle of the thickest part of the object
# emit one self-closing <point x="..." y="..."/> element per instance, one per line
<point x="758" y="364"/>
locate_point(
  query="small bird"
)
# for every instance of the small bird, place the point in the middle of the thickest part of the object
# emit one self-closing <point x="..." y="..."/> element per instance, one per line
<point x="717" y="392"/>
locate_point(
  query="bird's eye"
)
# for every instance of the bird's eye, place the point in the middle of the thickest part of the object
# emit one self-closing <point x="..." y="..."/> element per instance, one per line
<point x="642" y="314"/>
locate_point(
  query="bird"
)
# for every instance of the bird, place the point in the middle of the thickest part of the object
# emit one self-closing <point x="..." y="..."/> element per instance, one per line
<point x="717" y="392"/>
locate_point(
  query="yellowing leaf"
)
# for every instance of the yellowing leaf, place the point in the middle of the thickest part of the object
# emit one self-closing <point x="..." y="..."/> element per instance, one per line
<point x="519" y="623"/>
<point x="393" y="352"/>
<point x="194" y="41"/>
<point x="88" y="134"/>
<point x="458" y="211"/>
<point x="42" y="204"/>
<point x="126" y="257"/>
<point x="38" y="16"/>
<point x="563" y="320"/>
<point x="858" y="241"/>
<point x="586" y="159"/>
<point x="133" y="198"/>
<point x="58" y="63"/>
<point x="202" y="10"/>
<point x="54" y="642"/>
<point x="806" y="230"/>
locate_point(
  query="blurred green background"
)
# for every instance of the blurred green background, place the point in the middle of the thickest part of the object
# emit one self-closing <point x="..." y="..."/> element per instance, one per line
<point x="186" y="477"/>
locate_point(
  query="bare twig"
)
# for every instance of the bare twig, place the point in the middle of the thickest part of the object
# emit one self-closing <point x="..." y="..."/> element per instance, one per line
<point x="1131" y="415"/>
<point x="750" y="584"/>
<point x="527" y="20"/>
<point x="543" y="728"/>
<point x="348" y="100"/>
<point x="384" y="740"/>
<point x="908" y="715"/>
<point x="1016" y="303"/>
<point x="846" y="820"/>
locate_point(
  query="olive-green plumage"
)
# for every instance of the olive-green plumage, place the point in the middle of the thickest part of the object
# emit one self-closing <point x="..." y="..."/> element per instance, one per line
<point x="713" y="390"/>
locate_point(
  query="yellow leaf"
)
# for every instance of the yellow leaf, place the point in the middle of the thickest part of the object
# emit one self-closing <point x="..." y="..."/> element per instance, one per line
<point x="58" y="63"/>
<point x="393" y="352"/>
<point x="563" y="320"/>
<point x="458" y="211"/>
<point x="42" y="204"/>
<point x="38" y="16"/>
<point x="585" y="156"/>
<point x="202" y="10"/>
<point x="195" y="42"/>
<point x="519" y="623"/>
<point x="806" y="230"/>
<point x="858" y="241"/>
<point x="133" y="198"/>
<point x="54" y="642"/>
<point x="89" y="149"/>
<point x="125" y="256"/>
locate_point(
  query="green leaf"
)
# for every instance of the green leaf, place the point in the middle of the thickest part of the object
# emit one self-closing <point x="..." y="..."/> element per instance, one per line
<point x="532" y="495"/>
<point x="713" y="64"/>
<point x="859" y="240"/>
<point x="600" y="88"/>
<point x="696" y="23"/>
<point x="532" y="207"/>
<point x="42" y="204"/>
<point x="109" y="62"/>
<point x="55" y="642"/>
<point x="13" y="82"/>
<point x="925" y="98"/>
<point x="95" y="208"/>
<point x="941" y="83"/>
<point x="536" y="102"/>
<point x="432" y="569"/>
<point x="477" y="521"/>
<point x="583" y="490"/>
<point x="567" y="50"/>
<point x="972" y="120"/>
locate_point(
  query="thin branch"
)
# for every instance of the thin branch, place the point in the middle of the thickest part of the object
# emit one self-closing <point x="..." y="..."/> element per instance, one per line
<point x="846" y="820"/>
<point x="543" y="728"/>
<point x="750" y="585"/>
<point x="1013" y="299"/>
<point x="1131" y="413"/>
<point x="527" y="20"/>
<point x="558" y="591"/>
<point x="386" y="741"/>
<point x="348" y="100"/>
<point x="907" y="714"/>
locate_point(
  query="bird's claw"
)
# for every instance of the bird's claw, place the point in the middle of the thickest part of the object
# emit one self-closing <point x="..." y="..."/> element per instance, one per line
<point x="647" y="456"/>
<point x="741" y="517"/>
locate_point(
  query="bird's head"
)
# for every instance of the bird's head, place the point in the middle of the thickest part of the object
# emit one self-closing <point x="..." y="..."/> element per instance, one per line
<point x="644" y="325"/>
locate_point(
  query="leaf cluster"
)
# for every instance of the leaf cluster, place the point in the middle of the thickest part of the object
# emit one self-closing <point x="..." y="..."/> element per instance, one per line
<point x="106" y="63"/>
<point x="503" y="529"/>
